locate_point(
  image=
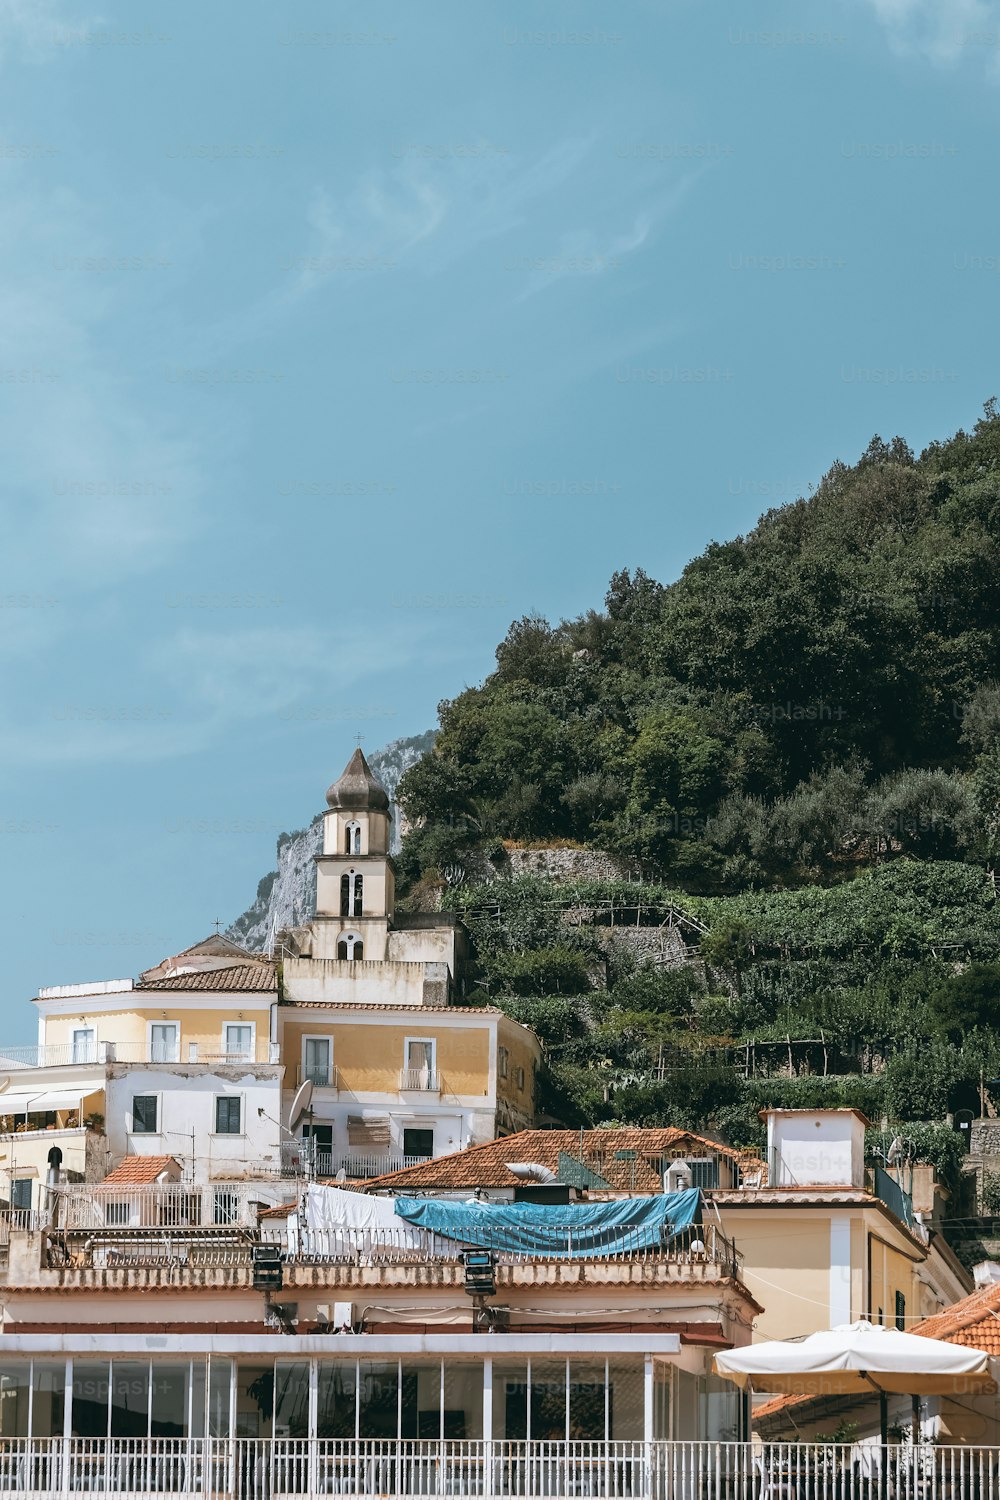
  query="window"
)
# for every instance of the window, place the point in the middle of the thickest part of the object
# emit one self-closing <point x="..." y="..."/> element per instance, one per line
<point x="350" y="946"/>
<point x="317" y="1059"/>
<point x="418" y="1143"/>
<point x="164" y="1041"/>
<point x="418" y="1069"/>
<point x="84" y="1045"/>
<point x="705" y="1172"/>
<point x="519" y="1078"/>
<point x="238" y="1040"/>
<point x="227" y="1114"/>
<point x="503" y="1057"/>
<point x="20" y="1194"/>
<point x="351" y="893"/>
<point x="352" y="838"/>
<point x="901" y="1312"/>
<point x="144" y="1114"/>
<point x="227" y="1208"/>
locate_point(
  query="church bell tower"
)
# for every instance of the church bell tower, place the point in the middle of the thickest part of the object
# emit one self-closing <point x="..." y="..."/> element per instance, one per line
<point x="355" y="887"/>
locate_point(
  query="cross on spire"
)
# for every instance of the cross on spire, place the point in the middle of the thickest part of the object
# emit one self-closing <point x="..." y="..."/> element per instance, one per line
<point x="359" y="740"/>
<point x="217" y="925"/>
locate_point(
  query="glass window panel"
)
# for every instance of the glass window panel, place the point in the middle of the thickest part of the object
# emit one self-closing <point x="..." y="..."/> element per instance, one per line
<point x="548" y="1400"/>
<point x="510" y="1401"/>
<point x="14" y="1382"/>
<point x="254" y="1400"/>
<point x="337" y="1394"/>
<point x="163" y="1041"/>
<point x="20" y="1193"/>
<point x="720" y="1410"/>
<point x="291" y="1399"/>
<point x="130" y="1398"/>
<point x="238" y="1039"/>
<point x="379" y="1395"/>
<point x="91" y="1379"/>
<point x="317" y="1060"/>
<point x="49" y="1399"/>
<point x="227" y="1114"/>
<point x="144" y="1114"/>
<point x="626" y="1400"/>
<point x="170" y="1400"/>
<point x="586" y="1401"/>
<point x="421" y="1404"/>
<point x="220" y="1375"/>
<point x="661" y="1401"/>
<point x="463" y="1400"/>
<point x="197" y="1399"/>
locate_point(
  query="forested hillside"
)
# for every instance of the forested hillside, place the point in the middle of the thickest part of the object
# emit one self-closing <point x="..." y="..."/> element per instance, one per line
<point x="795" y="751"/>
<point x="801" y="701"/>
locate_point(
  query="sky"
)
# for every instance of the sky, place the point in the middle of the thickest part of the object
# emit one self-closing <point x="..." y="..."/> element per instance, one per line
<point x="335" y="336"/>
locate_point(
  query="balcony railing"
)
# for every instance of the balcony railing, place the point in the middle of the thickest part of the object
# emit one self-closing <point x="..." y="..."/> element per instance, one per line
<point x="320" y="1078"/>
<point x="308" y="1468"/>
<point x="96" y="1054"/>
<point x="90" y="1250"/>
<point x="298" y="1161"/>
<point x="697" y="1251"/>
<point x="169" y="1205"/>
<point x="420" y="1080"/>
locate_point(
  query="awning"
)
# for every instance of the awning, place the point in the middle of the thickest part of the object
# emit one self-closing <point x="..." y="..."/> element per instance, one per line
<point x="34" y="1101"/>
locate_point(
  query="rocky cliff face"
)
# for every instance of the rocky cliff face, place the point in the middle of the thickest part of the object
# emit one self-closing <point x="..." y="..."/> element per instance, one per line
<point x="287" y="896"/>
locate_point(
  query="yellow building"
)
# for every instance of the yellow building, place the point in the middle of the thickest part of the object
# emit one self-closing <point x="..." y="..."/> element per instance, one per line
<point x="819" y="1248"/>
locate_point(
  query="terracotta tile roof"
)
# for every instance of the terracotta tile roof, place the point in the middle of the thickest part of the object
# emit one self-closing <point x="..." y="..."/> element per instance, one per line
<point x="242" y="977"/>
<point x="485" y="1166"/>
<point x="428" y="1010"/>
<point x="974" y="1323"/>
<point x="140" y="1170"/>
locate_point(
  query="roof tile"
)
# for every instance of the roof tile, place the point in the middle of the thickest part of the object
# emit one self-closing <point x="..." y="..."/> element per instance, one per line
<point x="485" y="1166"/>
<point x="140" y="1170"/>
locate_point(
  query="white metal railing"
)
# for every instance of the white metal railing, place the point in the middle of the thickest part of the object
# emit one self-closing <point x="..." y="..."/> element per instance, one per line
<point x="319" y="1077"/>
<point x="362" y="1165"/>
<point x="420" y="1080"/>
<point x="307" y="1468"/>
<point x="172" y="1251"/>
<point x="97" y="1053"/>
<point x="168" y="1205"/>
<point x="695" y="1249"/>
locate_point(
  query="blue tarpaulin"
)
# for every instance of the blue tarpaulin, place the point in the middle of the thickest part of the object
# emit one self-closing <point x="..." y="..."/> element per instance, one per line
<point x="568" y="1229"/>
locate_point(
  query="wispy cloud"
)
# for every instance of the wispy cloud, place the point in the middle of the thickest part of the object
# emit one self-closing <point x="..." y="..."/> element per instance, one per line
<point x="941" y="32"/>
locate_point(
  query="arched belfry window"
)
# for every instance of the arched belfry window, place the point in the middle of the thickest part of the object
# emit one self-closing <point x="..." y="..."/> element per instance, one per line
<point x="350" y="946"/>
<point x="352" y="894"/>
<point x="352" y="838"/>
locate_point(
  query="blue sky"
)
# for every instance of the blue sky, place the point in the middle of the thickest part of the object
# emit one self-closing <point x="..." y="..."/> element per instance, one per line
<point x="335" y="336"/>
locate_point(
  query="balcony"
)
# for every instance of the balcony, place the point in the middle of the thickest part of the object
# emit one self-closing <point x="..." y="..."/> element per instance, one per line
<point x="699" y="1253"/>
<point x="168" y="1205"/>
<point x="97" y="1054"/>
<point x="298" y="1161"/>
<point x="419" y="1081"/>
<point x="320" y="1078"/>
<point x="468" y="1469"/>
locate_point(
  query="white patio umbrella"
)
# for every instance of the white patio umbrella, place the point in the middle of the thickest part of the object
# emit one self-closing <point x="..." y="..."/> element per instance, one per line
<point x="857" y="1358"/>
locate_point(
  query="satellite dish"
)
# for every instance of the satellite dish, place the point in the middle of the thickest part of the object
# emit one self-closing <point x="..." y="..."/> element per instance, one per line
<point x="895" y="1151"/>
<point x="342" y="1175"/>
<point x="301" y="1103"/>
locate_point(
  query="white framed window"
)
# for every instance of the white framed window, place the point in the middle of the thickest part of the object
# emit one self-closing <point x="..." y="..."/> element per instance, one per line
<point x="164" y="1041"/>
<point x="317" y="1060"/>
<point x="145" y="1114"/>
<point x="239" y="1040"/>
<point x="419" y="1063"/>
<point x="228" y="1114"/>
<point x="84" y="1044"/>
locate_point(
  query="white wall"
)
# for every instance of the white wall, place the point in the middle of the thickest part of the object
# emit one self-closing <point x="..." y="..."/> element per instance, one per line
<point x="187" y="1095"/>
<point x="821" y="1148"/>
